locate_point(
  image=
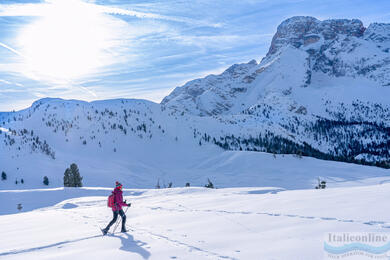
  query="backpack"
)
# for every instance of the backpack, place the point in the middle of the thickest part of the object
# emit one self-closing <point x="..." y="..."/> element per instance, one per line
<point x="110" y="201"/>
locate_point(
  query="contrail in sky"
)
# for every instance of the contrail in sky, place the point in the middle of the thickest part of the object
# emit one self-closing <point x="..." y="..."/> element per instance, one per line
<point x="11" y="49"/>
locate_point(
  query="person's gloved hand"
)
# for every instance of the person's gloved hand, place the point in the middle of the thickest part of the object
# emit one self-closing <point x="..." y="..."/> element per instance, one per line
<point x="128" y="204"/>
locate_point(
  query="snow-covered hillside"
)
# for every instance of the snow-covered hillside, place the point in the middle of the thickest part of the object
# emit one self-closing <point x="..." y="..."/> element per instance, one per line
<point x="321" y="91"/>
<point x="139" y="144"/>
<point x="190" y="223"/>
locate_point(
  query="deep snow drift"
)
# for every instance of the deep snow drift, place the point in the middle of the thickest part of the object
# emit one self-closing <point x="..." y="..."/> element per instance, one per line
<point x="191" y="223"/>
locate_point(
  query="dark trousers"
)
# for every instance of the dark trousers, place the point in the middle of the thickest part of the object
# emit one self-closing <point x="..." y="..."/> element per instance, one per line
<point x="116" y="213"/>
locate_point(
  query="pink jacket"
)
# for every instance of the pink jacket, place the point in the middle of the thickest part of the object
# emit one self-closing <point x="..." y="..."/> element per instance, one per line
<point x="118" y="200"/>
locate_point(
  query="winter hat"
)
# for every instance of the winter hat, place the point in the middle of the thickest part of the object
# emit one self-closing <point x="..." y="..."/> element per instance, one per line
<point x="118" y="184"/>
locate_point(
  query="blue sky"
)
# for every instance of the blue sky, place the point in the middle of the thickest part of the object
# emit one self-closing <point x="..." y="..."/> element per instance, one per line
<point x="105" y="49"/>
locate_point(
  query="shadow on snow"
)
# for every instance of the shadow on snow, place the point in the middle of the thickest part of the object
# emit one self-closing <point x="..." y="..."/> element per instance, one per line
<point x="131" y="245"/>
<point x="128" y="244"/>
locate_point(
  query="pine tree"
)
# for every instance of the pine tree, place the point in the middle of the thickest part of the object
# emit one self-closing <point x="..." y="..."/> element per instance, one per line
<point x="45" y="180"/>
<point x="76" y="177"/>
<point x="67" y="179"/>
<point x="72" y="177"/>
<point x="3" y="176"/>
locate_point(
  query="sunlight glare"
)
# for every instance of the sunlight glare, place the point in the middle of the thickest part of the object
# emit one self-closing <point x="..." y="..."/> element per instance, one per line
<point x="69" y="41"/>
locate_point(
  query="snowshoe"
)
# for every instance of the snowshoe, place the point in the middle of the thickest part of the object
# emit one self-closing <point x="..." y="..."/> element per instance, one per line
<point x="104" y="231"/>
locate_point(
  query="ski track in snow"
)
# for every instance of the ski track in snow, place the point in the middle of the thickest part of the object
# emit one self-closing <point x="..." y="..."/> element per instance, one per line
<point x="14" y="252"/>
<point x="179" y="243"/>
<point x="381" y="224"/>
<point x="175" y="242"/>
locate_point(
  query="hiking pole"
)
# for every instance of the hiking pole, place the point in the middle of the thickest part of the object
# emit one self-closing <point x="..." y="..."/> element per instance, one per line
<point x="117" y="223"/>
<point x="113" y="232"/>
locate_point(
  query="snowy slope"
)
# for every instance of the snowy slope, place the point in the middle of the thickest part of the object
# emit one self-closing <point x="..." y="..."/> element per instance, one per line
<point x="139" y="144"/>
<point x="192" y="223"/>
<point x="131" y="140"/>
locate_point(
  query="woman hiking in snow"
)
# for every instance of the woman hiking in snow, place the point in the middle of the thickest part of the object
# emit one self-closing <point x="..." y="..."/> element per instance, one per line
<point x="117" y="205"/>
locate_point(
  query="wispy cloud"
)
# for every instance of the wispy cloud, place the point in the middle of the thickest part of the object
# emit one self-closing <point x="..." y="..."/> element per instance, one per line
<point x="41" y="9"/>
<point x="120" y="11"/>
<point x="10" y="83"/>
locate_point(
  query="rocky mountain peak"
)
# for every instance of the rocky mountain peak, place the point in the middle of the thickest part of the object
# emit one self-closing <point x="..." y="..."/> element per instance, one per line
<point x="378" y="32"/>
<point x="303" y="30"/>
<point x="306" y="54"/>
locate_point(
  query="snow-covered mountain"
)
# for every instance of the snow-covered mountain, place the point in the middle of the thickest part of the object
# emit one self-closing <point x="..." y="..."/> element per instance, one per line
<point x="321" y="91"/>
<point x="323" y="83"/>
<point x="304" y="53"/>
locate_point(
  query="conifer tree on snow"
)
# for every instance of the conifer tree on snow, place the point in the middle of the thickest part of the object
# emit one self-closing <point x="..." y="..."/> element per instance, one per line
<point x="72" y="177"/>
<point x="67" y="174"/>
<point x="77" y="179"/>
<point x="45" y="180"/>
<point x="3" y="176"/>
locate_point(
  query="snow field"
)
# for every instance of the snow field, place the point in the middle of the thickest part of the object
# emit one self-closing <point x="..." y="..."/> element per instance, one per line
<point x="195" y="223"/>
